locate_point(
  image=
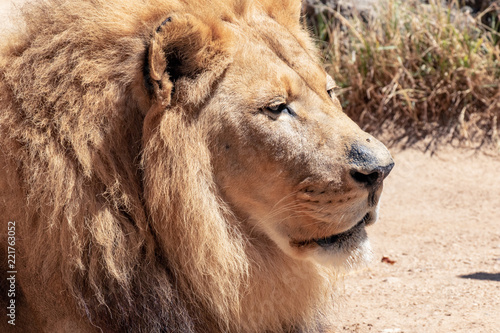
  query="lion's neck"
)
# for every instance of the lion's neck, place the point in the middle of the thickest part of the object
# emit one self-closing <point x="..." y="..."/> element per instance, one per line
<point x="281" y="289"/>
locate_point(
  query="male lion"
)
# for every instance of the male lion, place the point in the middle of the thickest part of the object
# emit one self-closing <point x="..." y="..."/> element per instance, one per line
<point x="170" y="166"/>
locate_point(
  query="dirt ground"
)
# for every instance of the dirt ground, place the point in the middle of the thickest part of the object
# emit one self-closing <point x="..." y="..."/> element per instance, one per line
<point x="440" y="225"/>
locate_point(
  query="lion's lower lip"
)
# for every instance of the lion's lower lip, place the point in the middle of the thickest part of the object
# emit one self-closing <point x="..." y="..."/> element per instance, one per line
<point x="339" y="238"/>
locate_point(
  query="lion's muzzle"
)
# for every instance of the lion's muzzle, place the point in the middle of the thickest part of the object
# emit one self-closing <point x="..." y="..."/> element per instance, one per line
<point x="370" y="163"/>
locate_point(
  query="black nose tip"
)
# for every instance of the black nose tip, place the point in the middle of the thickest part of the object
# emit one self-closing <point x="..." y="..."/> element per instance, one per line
<point x="370" y="163"/>
<point x="372" y="177"/>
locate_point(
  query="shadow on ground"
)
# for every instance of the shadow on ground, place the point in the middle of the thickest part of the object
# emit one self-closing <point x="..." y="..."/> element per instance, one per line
<point x="482" y="276"/>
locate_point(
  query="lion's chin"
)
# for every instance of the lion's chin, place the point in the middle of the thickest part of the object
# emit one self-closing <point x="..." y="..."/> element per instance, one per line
<point x="339" y="240"/>
<point x="348" y="249"/>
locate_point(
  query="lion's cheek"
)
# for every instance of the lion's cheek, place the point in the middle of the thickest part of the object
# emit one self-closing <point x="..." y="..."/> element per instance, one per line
<point x="252" y="194"/>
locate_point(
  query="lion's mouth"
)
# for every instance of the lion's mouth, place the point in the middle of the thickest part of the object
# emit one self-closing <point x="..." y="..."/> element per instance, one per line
<point x="338" y="239"/>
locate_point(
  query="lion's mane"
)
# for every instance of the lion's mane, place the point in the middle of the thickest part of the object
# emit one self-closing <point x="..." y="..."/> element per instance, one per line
<point x="123" y="217"/>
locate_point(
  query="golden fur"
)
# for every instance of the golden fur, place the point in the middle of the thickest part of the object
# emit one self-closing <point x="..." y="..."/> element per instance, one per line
<point x="121" y="163"/>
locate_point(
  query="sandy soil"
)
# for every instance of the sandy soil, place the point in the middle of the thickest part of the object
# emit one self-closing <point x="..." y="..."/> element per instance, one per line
<point x="440" y="223"/>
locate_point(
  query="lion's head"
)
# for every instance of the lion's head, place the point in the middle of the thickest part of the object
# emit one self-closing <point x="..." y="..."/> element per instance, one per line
<point x="285" y="159"/>
<point x="188" y="157"/>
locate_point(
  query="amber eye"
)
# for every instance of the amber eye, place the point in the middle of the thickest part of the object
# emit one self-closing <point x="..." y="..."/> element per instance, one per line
<point x="334" y="91"/>
<point x="331" y="92"/>
<point x="331" y="87"/>
<point x="278" y="109"/>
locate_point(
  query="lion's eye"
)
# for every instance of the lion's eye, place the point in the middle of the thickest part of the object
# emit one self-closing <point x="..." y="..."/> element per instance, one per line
<point x="278" y="109"/>
<point x="332" y="91"/>
<point x="331" y="87"/>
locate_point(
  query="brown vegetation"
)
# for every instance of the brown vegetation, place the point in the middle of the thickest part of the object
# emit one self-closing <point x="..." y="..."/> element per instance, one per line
<point x="418" y="69"/>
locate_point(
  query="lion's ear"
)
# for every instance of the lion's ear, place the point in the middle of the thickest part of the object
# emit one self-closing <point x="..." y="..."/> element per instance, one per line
<point x="182" y="48"/>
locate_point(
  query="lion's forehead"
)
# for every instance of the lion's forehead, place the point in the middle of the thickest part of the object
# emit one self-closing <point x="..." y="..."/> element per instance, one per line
<point x="276" y="46"/>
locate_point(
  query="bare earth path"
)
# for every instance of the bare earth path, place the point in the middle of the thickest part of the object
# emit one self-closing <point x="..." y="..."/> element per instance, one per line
<point x="440" y="223"/>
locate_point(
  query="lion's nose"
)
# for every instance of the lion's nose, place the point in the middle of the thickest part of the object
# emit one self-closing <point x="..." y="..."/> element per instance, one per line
<point x="372" y="177"/>
<point x="370" y="165"/>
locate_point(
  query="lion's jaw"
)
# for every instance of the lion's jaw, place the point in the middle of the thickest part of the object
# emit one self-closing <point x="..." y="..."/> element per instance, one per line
<point x="301" y="176"/>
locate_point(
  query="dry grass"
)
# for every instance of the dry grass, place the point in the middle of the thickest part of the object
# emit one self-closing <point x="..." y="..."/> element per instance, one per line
<point x="420" y="70"/>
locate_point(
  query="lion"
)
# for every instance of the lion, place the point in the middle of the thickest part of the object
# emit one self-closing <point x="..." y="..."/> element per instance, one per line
<point x="173" y="166"/>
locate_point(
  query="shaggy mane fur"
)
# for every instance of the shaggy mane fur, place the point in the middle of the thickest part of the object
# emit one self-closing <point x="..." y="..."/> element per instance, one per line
<point x="117" y="210"/>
